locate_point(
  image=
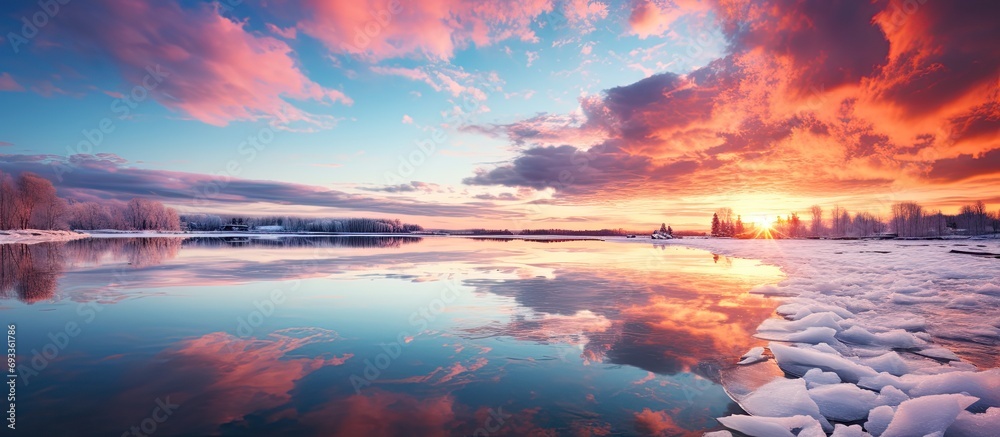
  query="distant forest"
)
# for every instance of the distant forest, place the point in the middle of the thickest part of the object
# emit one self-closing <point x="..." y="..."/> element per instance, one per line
<point x="906" y="219"/>
<point x="214" y="222"/>
<point x="29" y="201"/>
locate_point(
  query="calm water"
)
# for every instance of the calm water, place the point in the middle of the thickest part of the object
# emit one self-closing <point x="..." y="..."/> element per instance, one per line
<point x="374" y="336"/>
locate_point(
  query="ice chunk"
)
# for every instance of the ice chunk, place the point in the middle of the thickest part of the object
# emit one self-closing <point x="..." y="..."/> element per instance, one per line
<point x="788" y="309"/>
<point x="756" y="426"/>
<point x="754" y="355"/>
<point x="825" y="348"/>
<point x="891" y="396"/>
<point x="849" y="431"/>
<point x="989" y="289"/>
<point x="817" y="377"/>
<point x="896" y="338"/>
<point x="882" y="380"/>
<point x="722" y="433"/>
<point x="813" y="335"/>
<point x="796" y="311"/>
<point x="826" y="319"/>
<point x="938" y="353"/>
<point x="963" y="301"/>
<point x="969" y="424"/>
<point x="781" y="398"/>
<point x="843" y="402"/>
<point x="927" y="415"/>
<point x="984" y="385"/>
<point x="889" y="362"/>
<point x="878" y="420"/>
<point x="798" y="361"/>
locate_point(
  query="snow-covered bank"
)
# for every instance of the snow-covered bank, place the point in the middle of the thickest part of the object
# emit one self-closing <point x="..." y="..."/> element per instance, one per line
<point x="31" y="236"/>
<point x="883" y="338"/>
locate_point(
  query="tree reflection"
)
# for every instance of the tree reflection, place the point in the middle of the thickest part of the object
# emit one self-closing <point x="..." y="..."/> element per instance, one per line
<point x="30" y="271"/>
<point x="138" y="252"/>
<point x="294" y="242"/>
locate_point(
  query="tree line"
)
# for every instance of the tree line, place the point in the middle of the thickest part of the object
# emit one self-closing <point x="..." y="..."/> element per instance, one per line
<point x="906" y="219"/>
<point x="214" y="222"/>
<point x="723" y="224"/>
<point x="29" y="201"/>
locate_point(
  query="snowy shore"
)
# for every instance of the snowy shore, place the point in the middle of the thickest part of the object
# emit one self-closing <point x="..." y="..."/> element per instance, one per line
<point x="32" y="236"/>
<point x="880" y="338"/>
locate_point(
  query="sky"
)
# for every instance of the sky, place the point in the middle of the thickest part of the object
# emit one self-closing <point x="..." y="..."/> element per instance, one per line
<point x="458" y="114"/>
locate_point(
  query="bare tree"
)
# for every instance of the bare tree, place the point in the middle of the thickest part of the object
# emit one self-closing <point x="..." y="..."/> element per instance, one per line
<point x="816" y="227"/>
<point x="726" y="223"/>
<point x="9" y="202"/>
<point x="145" y="214"/>
<point x="973" y="218"/>
<point x="908" y="219"/>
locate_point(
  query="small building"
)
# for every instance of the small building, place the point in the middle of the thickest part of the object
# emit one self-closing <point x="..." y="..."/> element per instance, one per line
<point x="235" y="228"/>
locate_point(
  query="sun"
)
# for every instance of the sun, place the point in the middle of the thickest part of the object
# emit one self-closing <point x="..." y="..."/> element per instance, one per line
<point x="763" y="222"/>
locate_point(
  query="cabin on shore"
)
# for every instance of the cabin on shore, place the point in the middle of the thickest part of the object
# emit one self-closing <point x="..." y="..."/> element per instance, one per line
<point x="234" y="228"/>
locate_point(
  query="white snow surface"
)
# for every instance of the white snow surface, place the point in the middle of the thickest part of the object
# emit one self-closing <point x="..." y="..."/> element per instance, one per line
<point x="886" y="338"/>
<point x="32" y="236"/>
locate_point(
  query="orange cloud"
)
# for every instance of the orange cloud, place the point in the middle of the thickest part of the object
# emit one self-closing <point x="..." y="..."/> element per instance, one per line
<point x="814" y="99"/>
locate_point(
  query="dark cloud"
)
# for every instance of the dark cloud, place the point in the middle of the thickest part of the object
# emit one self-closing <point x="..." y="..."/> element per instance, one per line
<point x="943" y="52"/>
<point x="411" y="187"/>
<point x="828" y="43"/>
<point x="966" y="166"/>
<point x="90" y="177"/>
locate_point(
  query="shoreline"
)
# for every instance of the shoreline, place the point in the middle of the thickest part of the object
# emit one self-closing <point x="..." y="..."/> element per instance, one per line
<point x="867" y="330"/>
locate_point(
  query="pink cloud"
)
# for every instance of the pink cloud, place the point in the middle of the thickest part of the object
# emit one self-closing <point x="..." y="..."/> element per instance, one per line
<point x="215" y="70"/>
<point x="583" y="14"/>
<point x="454" y="81"/>
<point x="653" y="18"/>
<point x="432" y="29"/>
<point x="289" y="33"/>
<point x="7" y="83"/>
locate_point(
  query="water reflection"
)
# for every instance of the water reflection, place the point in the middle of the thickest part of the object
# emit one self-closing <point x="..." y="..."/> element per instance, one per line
<point x="291" y="242"/>
<point x="264" y="336"/>
<point x="30" y="272"/>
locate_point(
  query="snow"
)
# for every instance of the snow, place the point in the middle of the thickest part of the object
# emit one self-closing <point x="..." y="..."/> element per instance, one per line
<point x="887" y="338"/>
<point x="31" y="236"/>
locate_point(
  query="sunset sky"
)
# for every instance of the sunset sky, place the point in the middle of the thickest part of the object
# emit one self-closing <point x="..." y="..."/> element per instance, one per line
<point x="457" y="114"/>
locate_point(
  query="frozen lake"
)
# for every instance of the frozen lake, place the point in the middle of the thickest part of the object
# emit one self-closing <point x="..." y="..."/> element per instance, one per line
<point x="376" y="336"/>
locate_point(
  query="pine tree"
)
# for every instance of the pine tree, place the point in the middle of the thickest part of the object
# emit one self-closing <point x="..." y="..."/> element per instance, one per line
<point x="670" y="231"/>
<point x="716" y="226"/>
<point x="739" y="225"/>
<point x="663" y="228"/>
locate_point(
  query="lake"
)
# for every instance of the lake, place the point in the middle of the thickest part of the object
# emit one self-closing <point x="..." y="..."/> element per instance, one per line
<point x="375" y="335"/>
